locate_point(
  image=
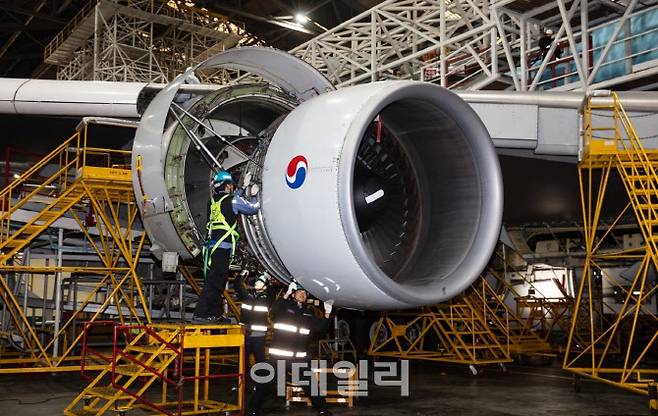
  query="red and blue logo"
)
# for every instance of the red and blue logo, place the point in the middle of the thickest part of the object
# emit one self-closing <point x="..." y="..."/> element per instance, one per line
<point x="296" y="172"/>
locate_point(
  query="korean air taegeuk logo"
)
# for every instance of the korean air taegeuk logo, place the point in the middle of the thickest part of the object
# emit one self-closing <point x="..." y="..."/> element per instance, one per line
<point x="296" y="172"/>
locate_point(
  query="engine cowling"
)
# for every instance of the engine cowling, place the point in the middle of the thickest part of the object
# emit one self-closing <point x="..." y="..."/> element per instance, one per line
<point x="378" y="196"/>
<point x="383" y="195"/>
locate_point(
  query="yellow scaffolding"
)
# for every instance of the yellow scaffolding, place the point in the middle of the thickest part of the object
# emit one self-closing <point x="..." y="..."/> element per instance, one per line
<point x="85" y="180"/>
<point x="519" y="333"/>
<point x="536" y="318"/>
<point x="477" y="328"/>
<point x="610" y="342"/>
<point x="180" y="365"/>
<point x="546" y="315"/>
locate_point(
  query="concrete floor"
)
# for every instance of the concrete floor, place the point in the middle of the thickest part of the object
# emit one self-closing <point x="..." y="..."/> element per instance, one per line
<point x="435" y="390"/>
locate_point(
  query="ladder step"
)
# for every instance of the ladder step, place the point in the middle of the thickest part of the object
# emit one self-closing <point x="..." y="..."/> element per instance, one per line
<point x="132" y="370"/>
<point x="31" y="228"/>
<point x="638" y="191"/>
<point x="477" y="347"/>
<point x="16" y="243"/>
<point x="61" y="204"/>
<point x="49" y="214"/>
<point x="639" y="177"/>
<point x="106" y="392"/>
<point x="148" y="349"/>
<point x="638" y="164"/>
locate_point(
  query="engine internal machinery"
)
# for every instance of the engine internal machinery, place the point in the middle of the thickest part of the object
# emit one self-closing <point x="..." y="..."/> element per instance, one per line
<point x="377" y="196"/>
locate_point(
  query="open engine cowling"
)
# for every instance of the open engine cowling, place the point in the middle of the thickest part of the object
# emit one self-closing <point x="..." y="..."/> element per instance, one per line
<point x="378" y="196"/>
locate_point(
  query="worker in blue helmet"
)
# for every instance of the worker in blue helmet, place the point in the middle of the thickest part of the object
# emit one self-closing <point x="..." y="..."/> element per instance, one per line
<point x="221" y="238"/>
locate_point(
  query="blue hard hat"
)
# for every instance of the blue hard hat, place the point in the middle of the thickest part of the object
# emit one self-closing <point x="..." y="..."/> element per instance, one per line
<point x="222" y="176"/>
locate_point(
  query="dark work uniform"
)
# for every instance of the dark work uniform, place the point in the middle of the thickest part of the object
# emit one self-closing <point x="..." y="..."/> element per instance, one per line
<point x="292" y="326"/>
<point x="254" y="314"/>
<point x="219" y="248"/>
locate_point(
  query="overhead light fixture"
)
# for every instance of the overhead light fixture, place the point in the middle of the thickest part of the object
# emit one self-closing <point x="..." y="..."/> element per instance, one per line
<point x="17" y="176"/>
<point x="301" y="18"/>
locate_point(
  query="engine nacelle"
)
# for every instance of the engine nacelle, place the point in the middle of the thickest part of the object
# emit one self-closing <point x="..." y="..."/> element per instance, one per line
<point x="378" y="196"/>
<point x="393" y="213"/>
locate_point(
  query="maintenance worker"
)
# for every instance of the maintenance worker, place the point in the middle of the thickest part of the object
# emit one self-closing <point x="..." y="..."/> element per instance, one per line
<point x="292" y="325"/>
<point x="254" y="312"/>
<point x="222" y="235"/>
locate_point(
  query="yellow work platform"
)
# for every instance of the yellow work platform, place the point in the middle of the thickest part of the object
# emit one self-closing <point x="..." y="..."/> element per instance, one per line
<point x="106" y="174"/>
<point x="185" y="359"/>
<point x="92" y="187"/>
<point x="600" y="152"/>
<point x="605" y="329"/>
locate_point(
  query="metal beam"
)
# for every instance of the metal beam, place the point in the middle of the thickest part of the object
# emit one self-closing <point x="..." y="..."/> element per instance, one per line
<point x="613" y="5"/>
<point x="551" y="50"/>
<point x="40" y="26"/>
<point x="572" y="42"/>
<point x="270" y="20"/>
<point x="613" y="37"/>
<point x="539" y="10"/>
<point x="15" y="36"/>
<point x="34" y="14"/>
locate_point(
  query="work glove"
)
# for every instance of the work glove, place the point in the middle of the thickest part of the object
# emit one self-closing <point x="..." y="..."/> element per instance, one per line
<point x="327" y="309"/>
<point x="291" y="287"/>
<point x="247" y="179"/>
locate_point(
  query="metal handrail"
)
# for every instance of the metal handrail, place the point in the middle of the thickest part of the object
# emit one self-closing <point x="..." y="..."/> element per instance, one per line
<point x="31" y="174"/>
<point x="168" y="338"/>
<point x="70" y="155"/>
<point x="118" y="354"/>
<point x="68" y="29"/>
<point x="634" y="151"/>
<point x="43" y="162"/>
<point x="87" y="350"/>
<point x="180" y="10"/>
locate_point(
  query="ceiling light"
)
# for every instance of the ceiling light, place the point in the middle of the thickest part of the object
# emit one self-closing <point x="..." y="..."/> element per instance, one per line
<point x="301" y="18"/>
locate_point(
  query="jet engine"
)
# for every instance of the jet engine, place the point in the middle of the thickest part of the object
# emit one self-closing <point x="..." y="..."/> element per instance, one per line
<point x="376" y="196"/>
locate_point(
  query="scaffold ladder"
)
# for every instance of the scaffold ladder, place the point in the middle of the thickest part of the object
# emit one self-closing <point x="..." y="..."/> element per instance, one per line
<point x="597" y="326"/>
<point x="165" y="368"/>
<point x="69" y="183"/>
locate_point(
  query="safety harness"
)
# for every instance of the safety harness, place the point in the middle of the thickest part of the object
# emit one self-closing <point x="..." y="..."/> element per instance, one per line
<point x="217" y="221"/>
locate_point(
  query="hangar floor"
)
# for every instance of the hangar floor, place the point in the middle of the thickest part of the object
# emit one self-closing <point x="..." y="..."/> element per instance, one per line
<point x="434" y="390"/>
